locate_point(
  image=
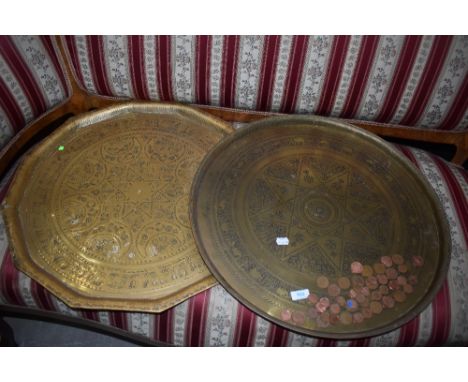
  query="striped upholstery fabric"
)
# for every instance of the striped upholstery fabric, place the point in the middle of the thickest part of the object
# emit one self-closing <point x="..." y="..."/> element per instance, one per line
<point x="32" y="81"/>
<point x="414" y="80"/>
<point x="215" y="318"/>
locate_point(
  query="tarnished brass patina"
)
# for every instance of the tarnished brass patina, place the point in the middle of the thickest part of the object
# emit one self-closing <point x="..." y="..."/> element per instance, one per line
<point x="98" y="212"/>
<point x="324" y="213"/>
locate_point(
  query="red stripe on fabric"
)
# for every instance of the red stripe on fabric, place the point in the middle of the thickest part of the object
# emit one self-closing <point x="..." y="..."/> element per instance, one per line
<point x="119" y="319"/>
<point x="47" y="42"/>
<point x="441" y="320"/>
<point x="163" y="67"/>
<point x="277" y="336"/>
<point x="196" y="319"/>
<point x="229" y="71"/>
<point x="244" y="332"/>
<point x="202" y="69"/>
<point x="75" y="62"/>
<point x="163" y="326"/>
<point x="23" y="75"/>
<point x="336" y="61"/>
<point x="90" y="315"/>
<point x="361" y="342"/>
<point x="5" y="188"/>
<point x="41" y="296"/>
<point x="9" y="286"/>
<point x="294" y="75"/>
<point x="409" y="52"/>
<point x="137" y="66"/>
<point x="360" y="77"/>
<point x="98" y="65"/>
<point x="322" y="342"/>
<point x="409" y="333"/>
<point x="267" y="72"/>
<point x="458" y="108"/>
<point x="11" y="108"/>
<point x="432" y="69"/>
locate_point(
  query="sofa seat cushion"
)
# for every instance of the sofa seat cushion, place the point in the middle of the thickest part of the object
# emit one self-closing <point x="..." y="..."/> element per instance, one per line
<point x="32" y="81"/>
<point x="419" y="81"/>
<point x="215" y="318"/>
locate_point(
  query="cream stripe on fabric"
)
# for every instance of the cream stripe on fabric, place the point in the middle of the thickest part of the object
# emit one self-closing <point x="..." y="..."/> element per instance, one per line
<point x="388" y="53"/>
<point x="139" y="323"/>
<point x="216" y="61"/>
<point x="34" y="55"/>
<point x="449" y="83"/>
<point x="116" y="61"/>
<point x="6" y="131"/>
<point x="180" y="313"/>
<point x="425" y="326"/>
<point x="82" y="53"/>
<point x="25" y="290"/>
<point x="388" y="339"/>
<point x="261" y="332"/>
<point x="183" y="84"/>
<point x="104" y="317"/>
<point x="16" y="90"/>
<point x="463" y="125"/>
<point x="347" y="74"/>
<point x="221" y="318"/>
<point x="314" y="73"/>
<point x="281" y="72"/>
<point x="457" y="278"/>
<point x="61" y="307"/>
<point x="149" y="43"/>
<point x="295" y="339"/>
<point x="248" y="71"/>
<point x="414" y="77"/>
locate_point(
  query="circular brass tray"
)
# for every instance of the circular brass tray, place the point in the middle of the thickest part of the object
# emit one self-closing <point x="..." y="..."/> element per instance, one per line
<point x="98" y="213"/>
<point x="321" y="211"/>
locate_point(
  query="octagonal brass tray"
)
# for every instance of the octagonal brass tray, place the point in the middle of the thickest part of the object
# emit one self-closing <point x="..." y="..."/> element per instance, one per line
<point x="320" y="227"/>
<point x="98" y="213"/>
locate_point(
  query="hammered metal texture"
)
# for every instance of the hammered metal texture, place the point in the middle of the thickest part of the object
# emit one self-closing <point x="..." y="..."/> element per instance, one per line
<point x="289" y="204"/>
<point x="98" y="212"/>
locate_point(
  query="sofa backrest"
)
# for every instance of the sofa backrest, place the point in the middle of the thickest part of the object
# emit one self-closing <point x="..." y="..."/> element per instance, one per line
<point x="417" y="81"/>
<point x="32" y="81"/>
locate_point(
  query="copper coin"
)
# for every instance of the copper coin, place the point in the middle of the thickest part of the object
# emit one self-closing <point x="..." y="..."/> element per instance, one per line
<point x="352" y="293"/>
<point x="323" y="321"/>
<point x="341" y="301"/>
<point x="313" y="298"/>
<point x="401" y="280"/>
<point x="382" y="279"/>
<point x="313" y="313"/>
<point x="393" y="285"/>
<point x="367" y="271"/>
<point x="379" y="268"/>
<point x="321" y="307"/>
<point x="325" y="302"/>
<point x="346" y="318"/>
<point x="356" y="267"/>
<point x="352" y="305"/>
<point x="383" y="289"/>
<point x="398" y="259"/>
<point x="387" y="261"/>
<point x="298" y="317"/>
<point x="360" y="298"/>
<point x="358" y="281"/>
<point x="376" y="295"/>
<point x="399" y="296"/>
<point x="358" y="317"/>
<point x="417" y="261"/>
<point x="367" y="312"/>
<point x="402" y="268"/>
<point x="413" y="279"/>
<point x="322" y="282"/>
<point x="365" y="291"/>
<point x="391" y="273"/>
<point x="334" y="290"/>
<point x="334" y="319"/>
<point x="376" y="307"/>
<point x="388" y="301"/>
<point x="408" y="289"/>
<point x="372" y="282"/>
<point x="286" y="315"/>
<point x="344" y="283"/>
<point x="335" y="308"/>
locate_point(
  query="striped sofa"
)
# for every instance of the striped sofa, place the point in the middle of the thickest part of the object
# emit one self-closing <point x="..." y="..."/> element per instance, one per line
<point x="416" y="81"/>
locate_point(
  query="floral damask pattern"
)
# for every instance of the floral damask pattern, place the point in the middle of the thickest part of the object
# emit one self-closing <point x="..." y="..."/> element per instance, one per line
<point x="150" y="66"/>
<point x="281" y="72"/>
<point x="215" y="68"/>
<point x="248" y="71"/>
<point x="182" y="48"/>
<point x="116" y="56"/>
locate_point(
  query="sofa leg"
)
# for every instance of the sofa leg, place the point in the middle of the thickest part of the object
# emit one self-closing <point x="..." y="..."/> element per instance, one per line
<point x="7" y="337"/>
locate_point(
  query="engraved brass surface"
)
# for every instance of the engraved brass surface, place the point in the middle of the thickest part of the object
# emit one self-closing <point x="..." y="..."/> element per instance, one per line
<point x="340" y="196"/>
<point x="98" y="213"/>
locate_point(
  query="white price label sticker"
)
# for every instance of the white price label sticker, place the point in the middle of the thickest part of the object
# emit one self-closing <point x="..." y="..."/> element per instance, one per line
<point x="299" y="294"/>
<point x="282" y="241"/>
